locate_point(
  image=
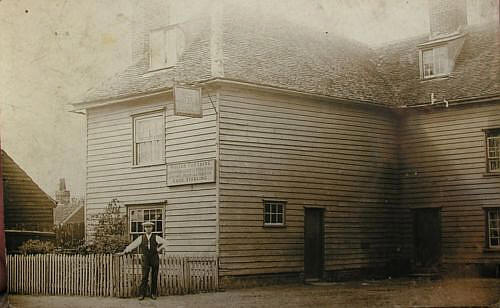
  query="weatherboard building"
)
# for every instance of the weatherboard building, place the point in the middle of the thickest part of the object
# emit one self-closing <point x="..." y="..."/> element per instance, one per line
<point x="287" y="151"/>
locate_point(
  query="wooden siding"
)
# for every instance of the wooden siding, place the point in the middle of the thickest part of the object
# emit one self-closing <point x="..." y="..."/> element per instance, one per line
<point x="190" y="209"/>
<point x="443" y="164"/>
<point x="309" y="153"/>
<point x="27" y="207"/>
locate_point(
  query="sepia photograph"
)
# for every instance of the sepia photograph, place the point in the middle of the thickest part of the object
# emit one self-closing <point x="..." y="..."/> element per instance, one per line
<point x="249" y="153"/>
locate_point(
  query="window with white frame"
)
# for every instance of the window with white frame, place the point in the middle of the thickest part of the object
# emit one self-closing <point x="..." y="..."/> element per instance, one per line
<point x="435" y="62"/>
<point x="149" y="139"/>
<point x="274" y="213"/>
<point x="493" y="150"/>
<point x="493" y="224"/>
<point x="137" y="216"/>
<point x="164" y="45"/>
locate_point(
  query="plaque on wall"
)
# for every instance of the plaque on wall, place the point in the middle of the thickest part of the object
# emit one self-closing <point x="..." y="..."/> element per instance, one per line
<point x="191" y="172"/>
<point x="187" y="102"/>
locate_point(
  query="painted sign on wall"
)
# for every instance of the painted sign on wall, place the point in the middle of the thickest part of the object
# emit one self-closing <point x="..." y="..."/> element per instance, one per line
<point x="192" y="172"/>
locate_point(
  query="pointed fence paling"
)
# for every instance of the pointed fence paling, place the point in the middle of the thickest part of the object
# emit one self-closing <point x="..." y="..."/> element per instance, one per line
<point x="107" y="275"/>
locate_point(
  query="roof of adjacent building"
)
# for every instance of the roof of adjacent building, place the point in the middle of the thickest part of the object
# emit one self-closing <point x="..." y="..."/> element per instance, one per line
<point x="266" y="50"/>
<point x="22" y="196"/>
<point x="63" y="212"/>
<point x="75" y="216"/>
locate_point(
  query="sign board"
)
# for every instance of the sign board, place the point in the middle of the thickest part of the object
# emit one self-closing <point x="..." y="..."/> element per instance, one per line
<point x="187" y="102"/>
<point x="191" y="172"/>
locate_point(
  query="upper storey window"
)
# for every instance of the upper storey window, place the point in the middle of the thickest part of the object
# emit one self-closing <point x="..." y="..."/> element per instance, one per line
<point x="435" y="62"/>
<point x="149" y="139"/>
<point x="165" y="45"/>
<point x="493" y="150"/>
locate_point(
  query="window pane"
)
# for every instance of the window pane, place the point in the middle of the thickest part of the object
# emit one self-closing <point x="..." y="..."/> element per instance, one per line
<point x="494" y="227"/>
<point x="144" y="152"/>
<point x="427" y="57"/>
<point x="171" y="47"/>
<point x="441" y="60"/>
<point x="494" y="242"/>
<point x="157" y="49"/>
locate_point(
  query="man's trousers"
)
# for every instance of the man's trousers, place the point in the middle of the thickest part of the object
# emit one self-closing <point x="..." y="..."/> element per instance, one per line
<point x="150" y="262"/>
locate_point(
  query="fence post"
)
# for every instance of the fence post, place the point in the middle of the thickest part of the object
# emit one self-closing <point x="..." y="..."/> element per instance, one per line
<point x="187" y="275"/>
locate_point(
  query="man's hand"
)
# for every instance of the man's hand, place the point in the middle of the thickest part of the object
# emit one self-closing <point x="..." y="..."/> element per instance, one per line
<point x="119" y="253"/>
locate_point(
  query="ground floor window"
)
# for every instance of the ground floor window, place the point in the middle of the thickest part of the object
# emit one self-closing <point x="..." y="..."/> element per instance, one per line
<point x="493" y="223"/>
<point x="137" y="216"/>
<point x="274" y="213"/>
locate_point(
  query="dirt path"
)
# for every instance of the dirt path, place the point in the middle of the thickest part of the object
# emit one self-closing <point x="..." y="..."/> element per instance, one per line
<point x="382" y="293"/>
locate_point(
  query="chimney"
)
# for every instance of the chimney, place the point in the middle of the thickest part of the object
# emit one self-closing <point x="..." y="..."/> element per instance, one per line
<point x="62" y="184"/>
<point x="482" y="11"/>
<point x="446" y="17"/>
<point x="62" y="195"/>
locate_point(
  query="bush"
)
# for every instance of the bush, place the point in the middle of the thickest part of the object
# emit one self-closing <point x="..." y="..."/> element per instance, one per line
<point x="110" y="232"/>
<point x="70" y="236"/>
<point x="36" y="247"/>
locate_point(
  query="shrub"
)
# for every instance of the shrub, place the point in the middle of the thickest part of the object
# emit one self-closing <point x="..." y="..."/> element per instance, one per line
<point x="110" y="231"/>
<point x="36" y="247"/>
<point x="70" y="236"/>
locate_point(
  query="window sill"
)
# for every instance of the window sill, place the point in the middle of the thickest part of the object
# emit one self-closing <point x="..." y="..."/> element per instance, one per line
<point x="488" y="174"/>
<point x="149" y="165"/>
<point x="274" y="226"/>
<point x="492" y="250"/>
<point x="154" y="70"/>
<point x="435" y="77"/>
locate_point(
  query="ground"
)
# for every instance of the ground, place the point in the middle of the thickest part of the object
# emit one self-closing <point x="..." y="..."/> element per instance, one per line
<point x="369" y="293"/>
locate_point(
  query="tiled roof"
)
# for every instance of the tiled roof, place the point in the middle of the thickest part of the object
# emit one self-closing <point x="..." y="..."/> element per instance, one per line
<point x="62" y="211"/>
<point x="265" y="50"/>
<point x="476" y="72"/>
<point x="274" y="52"/>
<point x="194" y="64"/>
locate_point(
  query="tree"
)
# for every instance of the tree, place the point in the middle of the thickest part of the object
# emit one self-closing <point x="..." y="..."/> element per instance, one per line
<point x="110" y="231"/>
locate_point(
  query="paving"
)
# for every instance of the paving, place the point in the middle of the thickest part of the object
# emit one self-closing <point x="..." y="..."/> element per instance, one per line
<point x="473" y="292"/>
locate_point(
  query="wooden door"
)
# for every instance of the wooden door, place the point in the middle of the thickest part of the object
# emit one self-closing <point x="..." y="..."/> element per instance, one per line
<point x="313" y="243"/>
<point x="427" y="237"/>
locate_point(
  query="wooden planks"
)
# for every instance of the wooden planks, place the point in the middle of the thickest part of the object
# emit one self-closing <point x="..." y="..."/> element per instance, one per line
<point x="111" y="174"/>
<point x="308" y="153"/>
<point x="107" y="275"/>
<point x="443" y="164"/>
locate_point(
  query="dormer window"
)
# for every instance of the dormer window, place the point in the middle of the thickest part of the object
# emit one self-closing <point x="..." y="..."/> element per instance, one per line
<point x="165" y="45"/>
<point x="435" y="62"/>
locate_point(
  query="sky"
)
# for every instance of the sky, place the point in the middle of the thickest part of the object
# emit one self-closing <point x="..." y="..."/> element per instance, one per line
<point x="52" y="52"/>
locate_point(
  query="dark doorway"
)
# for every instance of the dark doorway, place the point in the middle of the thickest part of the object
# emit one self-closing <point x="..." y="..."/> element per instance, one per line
<point x="427" y="238"/>
<point x="313" y="243"/>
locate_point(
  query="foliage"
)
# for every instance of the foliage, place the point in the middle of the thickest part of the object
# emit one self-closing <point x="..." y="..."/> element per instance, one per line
<point x="110" y="231"/>
<point x="36" y="247"/>
<point x="70" y="236"/>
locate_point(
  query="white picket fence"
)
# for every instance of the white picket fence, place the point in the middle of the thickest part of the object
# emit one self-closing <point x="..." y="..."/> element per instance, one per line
<point x="107" y="275"/>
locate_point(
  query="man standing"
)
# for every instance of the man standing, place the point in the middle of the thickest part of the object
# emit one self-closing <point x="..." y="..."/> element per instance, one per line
<point x="149" y="247"/>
